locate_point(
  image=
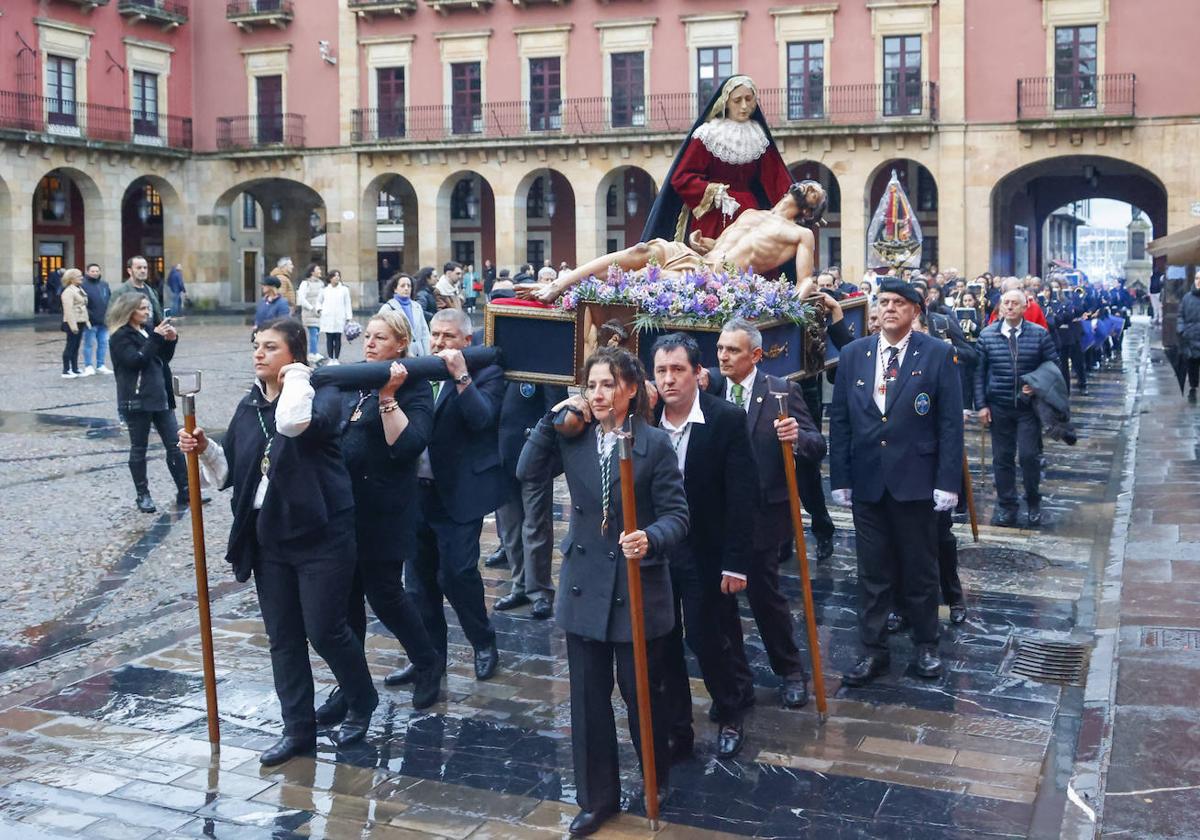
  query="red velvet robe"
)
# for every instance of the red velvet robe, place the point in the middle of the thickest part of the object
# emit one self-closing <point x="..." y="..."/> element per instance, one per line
<point x="698" y="168"/>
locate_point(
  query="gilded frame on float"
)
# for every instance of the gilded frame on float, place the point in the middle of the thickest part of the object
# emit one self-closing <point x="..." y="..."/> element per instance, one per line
<point x="499" y="320"/>
<point x="854" y="312"/>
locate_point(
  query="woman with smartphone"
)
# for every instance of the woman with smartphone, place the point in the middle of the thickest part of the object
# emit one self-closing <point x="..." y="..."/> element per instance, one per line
<point x="142" y="366"/>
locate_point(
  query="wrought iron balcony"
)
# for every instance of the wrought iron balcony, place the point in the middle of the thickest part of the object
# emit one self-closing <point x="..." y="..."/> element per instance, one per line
<point x="87" y="5"/>
<point x="446" y="6"/>
<point x="170" y="13"/>
<point x="671" y="113"/>
<point x="85" y="121"/>
<point x="1075" y="97"/>
<point x="366" y="8"/>
<point x="250" y="13"/>
<point x="258" y="131"/>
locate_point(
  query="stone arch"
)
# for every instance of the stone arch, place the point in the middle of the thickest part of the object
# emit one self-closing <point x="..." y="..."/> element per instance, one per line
<point x="173" y="237"/>
<point x="16" y="293"/>
<point x="829" y="235"/>
<point x="545" y="217"/>
<point x="623" y="199"/>
<point x="1026" y="196"/>
<point x="920" y="183"/>
<point x="395" y="237"/>
<point x="89" y="226"/>
<point x="466" y="218"/>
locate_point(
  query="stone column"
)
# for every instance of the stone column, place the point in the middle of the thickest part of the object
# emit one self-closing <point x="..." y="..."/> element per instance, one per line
<point x="16" y="251"/>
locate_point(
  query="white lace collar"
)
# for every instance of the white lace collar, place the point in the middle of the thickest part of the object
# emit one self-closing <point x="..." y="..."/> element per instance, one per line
<point x="733" y="142"/>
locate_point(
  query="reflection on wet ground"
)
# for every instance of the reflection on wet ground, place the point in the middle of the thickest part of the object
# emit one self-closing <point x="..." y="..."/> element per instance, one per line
<point x="121" y="753"/>
<point x="31" y="422"/>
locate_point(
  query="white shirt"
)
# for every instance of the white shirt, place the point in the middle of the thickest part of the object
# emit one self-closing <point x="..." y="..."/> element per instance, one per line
<point x="881" y="365"/>
<point x="680" y="435"/>
<point x="747" y="388"/>
<point x="1006" y="330"/>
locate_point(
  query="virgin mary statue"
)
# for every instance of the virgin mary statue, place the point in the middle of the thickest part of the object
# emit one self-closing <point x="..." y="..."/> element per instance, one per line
<point x="728" y="162"/>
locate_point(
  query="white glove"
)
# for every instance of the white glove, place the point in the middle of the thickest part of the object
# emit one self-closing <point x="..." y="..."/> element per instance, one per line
<point x="943" y="501"/>
<point x="842" y="497"/>
<point x="727" y="203"/>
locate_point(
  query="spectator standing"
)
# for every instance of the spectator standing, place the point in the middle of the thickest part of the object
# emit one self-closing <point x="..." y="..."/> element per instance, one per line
<point x="423" y="294"/>
<point x="1189" y="336"/>
<point x="489" y="277"/>
<point x="283" y="270"/>
<point x="74" y="320"/>
<point x="470" y="279"/>
<point x="1008" y="350"/>
<point x="138" y="270"/>
<point x="176" y="287"/>
<point x="309" y="298"/>
<point x="142" y="364"/>
<point x="400" y="300"/>
<point x="448" y="290"/>
<point x="385" y="277"/>
<point x="271" y="305"/>
<point x="1156" y="284"/>
<point x="95" y="338"/>
<point x="503" y="287"/>
<point x="335" y="312"/>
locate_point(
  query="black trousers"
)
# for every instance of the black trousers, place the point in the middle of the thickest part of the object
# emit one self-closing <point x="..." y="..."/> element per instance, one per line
<point x="1193" y="372"/>
<point x="70" y="354"/>
<point x="383" y="543"/>
<point x="947" y="555"/>
<point x="773" y="613"/>
<point x="333" y="345"/>
<point x="303" y="601"/>
<point x="707" y="620"/>
<point x="164" y="422"/>
<point x="593" y="725"/>
<point x="897" y="549"/>
<point x="811" y="488"/>
<point x="1070" y="355"/>
<point x="1016" y="434"/>
<point x="447" y="565"/>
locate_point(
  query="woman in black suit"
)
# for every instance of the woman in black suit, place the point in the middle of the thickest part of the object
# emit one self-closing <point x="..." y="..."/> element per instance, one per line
<point x="592" y="606"/>
<point x="293" y="527"/>
<point x="386" y="430"/>
<point x="142" y="368"/>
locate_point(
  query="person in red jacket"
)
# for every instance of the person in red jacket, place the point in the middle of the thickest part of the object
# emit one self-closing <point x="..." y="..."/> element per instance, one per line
<point x="1033" y="310"/>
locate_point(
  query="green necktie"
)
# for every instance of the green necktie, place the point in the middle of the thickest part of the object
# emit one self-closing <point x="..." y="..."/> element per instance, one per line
<point x="739" y="395"/>
<point x="437" y="388"/>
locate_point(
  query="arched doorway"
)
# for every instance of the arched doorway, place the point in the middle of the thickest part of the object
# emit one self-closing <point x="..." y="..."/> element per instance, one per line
<point x="626" y="194"/>
<point x="271" y="219"/>
<point x="142" y="229"/>
<point x="391" y="200"/>
<point x="549" y="205"/>
<point x="921" y="188"/>
<point x="466" y="220"/>
<point x="59" y="230"/>
<point x="1028" y="232"/>
<point x="829" y="235"/>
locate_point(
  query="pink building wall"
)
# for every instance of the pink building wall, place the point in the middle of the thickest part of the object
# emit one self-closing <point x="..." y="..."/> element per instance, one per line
<point x="1156" y="39"/>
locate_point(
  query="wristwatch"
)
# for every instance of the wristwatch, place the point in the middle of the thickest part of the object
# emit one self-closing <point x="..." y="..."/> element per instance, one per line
<point x="462" y="380"/>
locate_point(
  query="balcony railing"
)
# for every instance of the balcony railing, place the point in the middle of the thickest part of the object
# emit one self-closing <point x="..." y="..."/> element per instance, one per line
<point x="83" y="120"/>
<point x="249" y="13"/>
<point x="170" y="13"/>
<point x="87" y="5"/>
<point x="657" y="113"/>
<point x="366" y="8"/>
<point x="1073" y="97"/>
<point x="258" y="131"/>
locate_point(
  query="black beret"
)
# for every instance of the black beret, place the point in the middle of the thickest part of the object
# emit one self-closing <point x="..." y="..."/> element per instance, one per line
<point x="897" y="286"/>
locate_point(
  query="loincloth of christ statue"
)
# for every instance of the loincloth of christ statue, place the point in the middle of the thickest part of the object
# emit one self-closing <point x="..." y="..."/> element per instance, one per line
<point x="757" y="239"/>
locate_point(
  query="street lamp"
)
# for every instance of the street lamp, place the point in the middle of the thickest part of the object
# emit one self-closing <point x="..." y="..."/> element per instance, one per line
<point x="314" y="222"/>
<point x="143" y="208"/>
<point x="551" y="202"/>
<point x="472" y="201"/>
<point x="276" y="212"/>
<point x="631" y="197"/>
<point x="58" y="201"/>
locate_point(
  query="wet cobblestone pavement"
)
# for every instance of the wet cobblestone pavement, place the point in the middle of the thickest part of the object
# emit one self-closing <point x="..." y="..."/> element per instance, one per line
<point x="102" y="705"/>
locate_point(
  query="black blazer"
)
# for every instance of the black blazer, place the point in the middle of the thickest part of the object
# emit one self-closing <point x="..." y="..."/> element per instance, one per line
<point x="385" y="477"/>
<point x="916" y="445"/>
<point x="308" y="486"/>
<point x="593" y="599"/>
<point x="142" y="369"/>
<point x="720" y="478"/>
<point x="524" y="404"/>
<point x="464" y="451"/>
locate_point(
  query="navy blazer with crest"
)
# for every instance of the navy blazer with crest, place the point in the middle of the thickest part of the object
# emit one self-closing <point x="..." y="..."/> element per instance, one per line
<point x="916" y="444"/>
<point x="593" y="591"/>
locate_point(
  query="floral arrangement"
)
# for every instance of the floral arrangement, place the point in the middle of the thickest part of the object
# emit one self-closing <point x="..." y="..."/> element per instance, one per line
<point x="704" y="297"/>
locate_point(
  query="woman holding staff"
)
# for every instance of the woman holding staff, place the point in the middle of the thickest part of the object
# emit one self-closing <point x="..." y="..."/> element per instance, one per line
<point x="579" y="437"/>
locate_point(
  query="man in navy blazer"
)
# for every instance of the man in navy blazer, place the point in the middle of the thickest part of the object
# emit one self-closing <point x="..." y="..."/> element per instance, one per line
<point x="896" y="444"/>
<point x="461" y="481"/>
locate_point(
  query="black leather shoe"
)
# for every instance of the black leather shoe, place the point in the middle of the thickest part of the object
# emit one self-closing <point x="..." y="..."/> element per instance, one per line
<point x="589" y="822"/>
<point x="682" y="747"/>
<point x="289" y="746"/>
<point x="824" y="547"/>
<point x="333" y="710"/>
<point x="511" y="601"/>
<point x="496" y="558"/>
<point x="542" y="609"/>
<point x="794" y="693"/>
<point x="354" y="729"/>
<point x="401" y="676"/>
<point x="866" y="669"/>
<point x="896" y="623"/>
<point x="927" y="663"/>
<point x="486" y="661"/>
<point x="1035" y="516"/>
<point x="1083" y="392"/>
<point x="427" y="687"/>
<point x="958" y="613"/>
<point x="145" y="504"/>
<point x="1004" y="518"/>
<point x="730" y="739"/>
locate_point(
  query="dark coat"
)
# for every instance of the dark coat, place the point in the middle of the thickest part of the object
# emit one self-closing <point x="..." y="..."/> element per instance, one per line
<point x="524" y="404"/>
<point x="593" y="584"/>
<point x="916" y="445"/>
<point x="308" y="486"/>
<point x="1189" y="325"/>
<point x="996" y="383"/>
<point x="772" y="516"/>
<point x="98" y="296"/>
<point x="142" y="369"/>
<point x="385" y="477"/>
<point x="464" y="451"/>
<point x="721" y="482"/>
<point x="1051" y="402"/>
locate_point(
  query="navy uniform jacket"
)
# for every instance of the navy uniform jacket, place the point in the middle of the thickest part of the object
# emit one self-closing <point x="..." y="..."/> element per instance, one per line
<point x="464" y="452"/>
<point x="524" y="404"/>
<point x="916" y="445"/>
<point x="593" y="591"/>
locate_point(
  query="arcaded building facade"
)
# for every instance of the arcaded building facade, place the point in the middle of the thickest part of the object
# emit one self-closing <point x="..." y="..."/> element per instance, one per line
<point x="225" y="134"/>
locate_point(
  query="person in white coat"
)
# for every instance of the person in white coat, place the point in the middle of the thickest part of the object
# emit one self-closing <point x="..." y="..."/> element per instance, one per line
<point x="335" y="312"/>
<point x="308" y="296"/>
